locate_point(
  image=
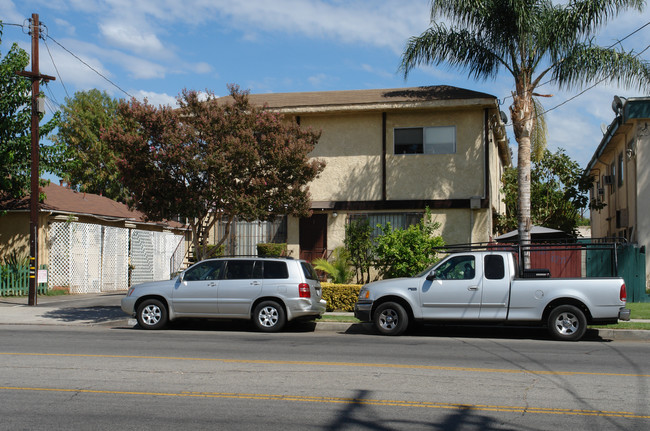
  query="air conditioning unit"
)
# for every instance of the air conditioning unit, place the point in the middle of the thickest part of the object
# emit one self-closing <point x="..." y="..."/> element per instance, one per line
<point x="608" y="180"/>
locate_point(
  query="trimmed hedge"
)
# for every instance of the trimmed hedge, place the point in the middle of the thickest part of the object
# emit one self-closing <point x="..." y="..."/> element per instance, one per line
<point x="340" y="297"/>
<point x="270" y="249"/>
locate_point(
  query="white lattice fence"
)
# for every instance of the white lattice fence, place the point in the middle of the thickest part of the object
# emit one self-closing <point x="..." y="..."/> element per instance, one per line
<point x="151" y="253"/>
<point x="59" y="264"/>
<point x="115" y="259"/>
<point x="141" y="256"/>
<point x="75" y="256"/>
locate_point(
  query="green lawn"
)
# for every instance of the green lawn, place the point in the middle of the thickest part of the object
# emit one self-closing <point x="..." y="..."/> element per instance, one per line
<point x="640" y="310"/>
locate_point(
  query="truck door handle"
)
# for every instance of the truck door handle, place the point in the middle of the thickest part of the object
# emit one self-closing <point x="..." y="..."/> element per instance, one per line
<point x="472" y="288"/>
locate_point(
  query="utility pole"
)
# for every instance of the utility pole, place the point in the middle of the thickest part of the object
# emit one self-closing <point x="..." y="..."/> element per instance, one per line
<point x="35" y="77"/>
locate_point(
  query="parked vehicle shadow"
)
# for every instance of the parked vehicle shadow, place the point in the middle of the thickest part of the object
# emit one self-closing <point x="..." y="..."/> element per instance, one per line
<point x="93" y="314"/>
<point x="473" y="331"/>
<point x="235" y="325"/>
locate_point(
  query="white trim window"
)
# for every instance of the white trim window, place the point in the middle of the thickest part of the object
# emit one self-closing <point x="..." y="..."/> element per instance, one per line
<point x="425" y="140"/>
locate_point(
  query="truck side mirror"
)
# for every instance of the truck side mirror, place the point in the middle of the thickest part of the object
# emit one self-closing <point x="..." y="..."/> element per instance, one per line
<point x="431" y="276"/>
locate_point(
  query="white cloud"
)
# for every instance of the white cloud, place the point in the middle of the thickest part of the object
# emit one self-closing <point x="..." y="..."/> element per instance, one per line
<point x="131" y="38"/>
<point x="9" y="13"/>
<point x="156" y="99"/>
<point x="202" y="67"/>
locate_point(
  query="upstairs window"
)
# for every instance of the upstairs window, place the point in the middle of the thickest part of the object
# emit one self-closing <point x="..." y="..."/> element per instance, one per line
<point x="425" y="140"/>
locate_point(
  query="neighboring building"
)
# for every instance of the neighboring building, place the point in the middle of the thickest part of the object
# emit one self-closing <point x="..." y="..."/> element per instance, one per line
<point x="392" y="153"/>
<point x="621" y="181"/>
<point x="89" y="243"/>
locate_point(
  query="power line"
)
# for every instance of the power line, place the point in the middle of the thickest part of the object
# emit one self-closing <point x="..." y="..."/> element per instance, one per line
<point x="56" y="68"/>
<point x="586" y="89"/>
<point x="47" y="36"/>
<point x="90" y="67"/>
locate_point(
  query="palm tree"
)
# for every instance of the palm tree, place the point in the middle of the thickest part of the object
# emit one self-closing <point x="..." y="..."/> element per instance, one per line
<point x="534" y="40"/>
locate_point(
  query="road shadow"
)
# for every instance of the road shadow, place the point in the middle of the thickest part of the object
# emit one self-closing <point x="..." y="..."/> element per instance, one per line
<point x="473" y="331"/>
<point x="234" y="325"/>
<point x="93" y="314"/>
<point x="362" y="412"/>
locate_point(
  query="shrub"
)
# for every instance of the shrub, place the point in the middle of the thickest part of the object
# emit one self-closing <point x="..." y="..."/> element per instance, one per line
<point x="271" y="249"/>
<point x="405" y="252"/>
<point x="358" y="242"/>
<point x="339" y="268"/>
<point x="340" y="297"/>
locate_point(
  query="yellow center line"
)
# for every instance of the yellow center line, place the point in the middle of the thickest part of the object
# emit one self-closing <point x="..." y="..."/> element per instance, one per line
<point x="342" y="400"/>
<point x="335" y="364"/>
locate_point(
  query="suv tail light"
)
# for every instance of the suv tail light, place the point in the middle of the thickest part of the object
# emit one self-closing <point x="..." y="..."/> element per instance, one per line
<point x="303" y="290"/>
<point x="623" y="293"/>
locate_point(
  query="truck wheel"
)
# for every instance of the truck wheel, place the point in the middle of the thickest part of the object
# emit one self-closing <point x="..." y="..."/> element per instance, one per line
<point x="152" y="314"/>
<point x="391" y="319"/>
<point x="269" y="316"/>
<point x="567" y="323"/>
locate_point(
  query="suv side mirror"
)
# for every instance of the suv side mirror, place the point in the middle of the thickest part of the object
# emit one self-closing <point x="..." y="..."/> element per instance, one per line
<point x="431" y="276"/>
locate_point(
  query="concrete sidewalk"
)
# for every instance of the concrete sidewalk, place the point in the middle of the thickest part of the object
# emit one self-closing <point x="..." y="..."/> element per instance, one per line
<point x="103" y="309"/>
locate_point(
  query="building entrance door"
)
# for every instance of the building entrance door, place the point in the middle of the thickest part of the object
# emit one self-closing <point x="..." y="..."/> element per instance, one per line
<point x="313" y="237"/>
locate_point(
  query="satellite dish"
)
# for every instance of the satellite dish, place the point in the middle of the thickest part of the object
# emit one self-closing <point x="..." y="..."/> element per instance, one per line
<point x="504" y="117"/>
<point x="603" y="128"/>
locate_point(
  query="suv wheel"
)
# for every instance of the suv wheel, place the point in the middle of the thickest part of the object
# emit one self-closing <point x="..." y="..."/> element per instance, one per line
<point x="269" y="316"/>
<point x="152" y="314"/>
<point x="391" y="319"/>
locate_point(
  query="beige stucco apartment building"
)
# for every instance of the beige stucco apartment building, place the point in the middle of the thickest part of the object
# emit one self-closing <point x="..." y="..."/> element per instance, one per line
<point x="621" y="177"/>
<point x="391" y="153"/>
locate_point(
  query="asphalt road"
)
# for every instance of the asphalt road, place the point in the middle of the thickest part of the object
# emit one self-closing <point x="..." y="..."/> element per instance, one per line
<point x="216" y="376"/>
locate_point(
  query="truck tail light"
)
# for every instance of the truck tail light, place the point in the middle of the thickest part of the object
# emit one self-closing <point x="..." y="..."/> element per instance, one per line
<point x="303" y="290"/>
<point x="623" y="295"/>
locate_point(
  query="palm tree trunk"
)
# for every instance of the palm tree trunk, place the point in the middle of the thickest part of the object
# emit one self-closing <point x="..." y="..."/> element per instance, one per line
<point x="523" y="122"/>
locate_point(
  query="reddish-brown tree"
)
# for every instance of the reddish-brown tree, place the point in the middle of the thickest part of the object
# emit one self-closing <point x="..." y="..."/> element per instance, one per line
<point x="209" y="159"/>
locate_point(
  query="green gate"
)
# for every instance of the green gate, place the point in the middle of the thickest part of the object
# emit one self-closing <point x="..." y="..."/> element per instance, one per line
<point x="629" y="264"/>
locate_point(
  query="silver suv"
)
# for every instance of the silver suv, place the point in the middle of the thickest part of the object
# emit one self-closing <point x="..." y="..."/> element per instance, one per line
<point x="269" y="291"/>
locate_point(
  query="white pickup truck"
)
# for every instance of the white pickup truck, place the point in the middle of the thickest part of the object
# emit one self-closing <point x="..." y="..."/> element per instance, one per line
<point x="483" y="287"/>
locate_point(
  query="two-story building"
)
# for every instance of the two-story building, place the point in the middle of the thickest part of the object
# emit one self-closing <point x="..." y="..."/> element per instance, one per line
<point x="390" y="154"/>
<point x="621" y="182"/>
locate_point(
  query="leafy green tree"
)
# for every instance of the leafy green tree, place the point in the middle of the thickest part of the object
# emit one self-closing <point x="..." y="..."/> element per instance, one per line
<point x="15" y="127"/>
<point x="405" y="252"/>
<point x="534" y="41"/>
<point x="90" y="164"/>
<point x="358" y="243"/>
<point x="559" y="193"/>
<point x="211" y="160"/>
<point x="338" y="268"/>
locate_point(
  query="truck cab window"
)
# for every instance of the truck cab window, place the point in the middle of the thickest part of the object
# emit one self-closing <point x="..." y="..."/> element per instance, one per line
<point x="494" y="268"/>
<point x="457" y="268"/>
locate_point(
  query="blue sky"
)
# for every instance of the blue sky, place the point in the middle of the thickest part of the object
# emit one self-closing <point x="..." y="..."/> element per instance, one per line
<point x="155" y="48"/>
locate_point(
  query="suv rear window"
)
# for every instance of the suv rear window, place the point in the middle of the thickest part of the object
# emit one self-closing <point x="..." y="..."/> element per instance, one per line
<point x="274" y="269"/>
<point x="309" y="271"/>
